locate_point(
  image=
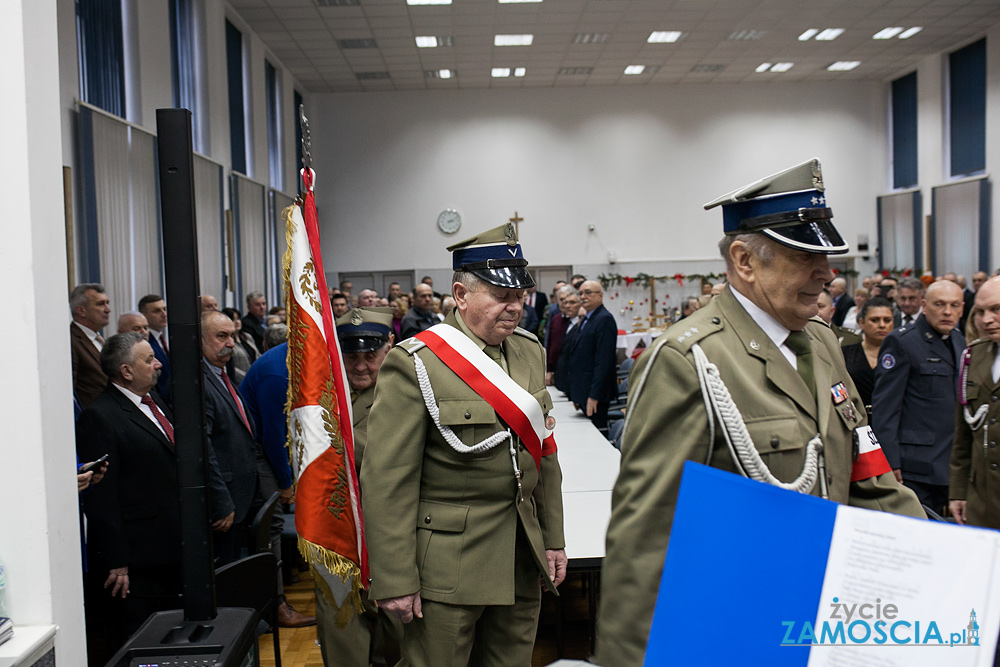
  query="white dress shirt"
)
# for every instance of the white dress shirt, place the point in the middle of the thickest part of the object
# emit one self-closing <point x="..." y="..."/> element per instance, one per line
<point x="137" y="399"/>
<point x="91" y="334"/>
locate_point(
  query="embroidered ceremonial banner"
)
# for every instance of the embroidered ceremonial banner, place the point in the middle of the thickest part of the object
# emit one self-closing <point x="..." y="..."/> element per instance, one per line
<point x="327" y="498"/>
<point x="515" y="405"/>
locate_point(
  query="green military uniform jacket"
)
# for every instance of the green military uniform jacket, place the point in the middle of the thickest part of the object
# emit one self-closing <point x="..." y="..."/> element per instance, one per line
<point x="845" y="336"/>
<point x="975" y="459"/>
<point x="361" y="405"/>
<point x="443" y="523"/>
<point x="668" y="425"/>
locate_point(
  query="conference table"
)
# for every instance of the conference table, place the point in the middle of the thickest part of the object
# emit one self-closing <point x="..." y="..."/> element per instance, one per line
<point x="589" y="466"/>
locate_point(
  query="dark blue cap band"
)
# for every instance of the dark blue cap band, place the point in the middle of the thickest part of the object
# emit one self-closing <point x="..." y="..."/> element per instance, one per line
<point x="735" y="213"/>
<point x="500" y="251"/>
<point x="363" y="329"/>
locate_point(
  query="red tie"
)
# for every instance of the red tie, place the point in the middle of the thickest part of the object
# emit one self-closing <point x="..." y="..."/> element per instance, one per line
<point x="163" y="343"/>
<point x="236" y="397"/>
<point x="147" y="400"/>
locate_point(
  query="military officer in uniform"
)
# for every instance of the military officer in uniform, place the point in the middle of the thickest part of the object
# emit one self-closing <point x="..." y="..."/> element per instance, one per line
<point x="372" y="637"/>
<point x="782" y="368"/>
<point x="462" y="493"/>
<point x="915" y="385"/>
<point x="974" y="488"/>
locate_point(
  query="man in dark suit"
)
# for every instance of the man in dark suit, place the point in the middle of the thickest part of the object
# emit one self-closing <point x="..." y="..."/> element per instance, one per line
<point x="909" y="295"/>
<point x="91" y="309"/>
<point x="255" y="321"/>
<point x="559" y="322"/>
<point x="134" y="538"/>
<point x="234" y="451"/>
<point x="914" y="396"/>
<point x="421" y="316"/>
<point x="842" y="301"/>
<point x="978" y="278"/>
<point x="155" y="309"/>
<point x="538" y="301"/>
<point x="592" y="377"/>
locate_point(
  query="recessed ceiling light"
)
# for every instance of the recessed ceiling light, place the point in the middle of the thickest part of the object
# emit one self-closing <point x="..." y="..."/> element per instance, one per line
<point x="763" y="67"/>
<point x="782" y="67"/>
<point x="438" y="73"/>
<point x="428" y="2"/>
<point x="512" y="40"/>
<point x="746" y="35"/>
<point x="843" y="65"/>
<point x="425" y="42"/>
<point x="906" y="34"/>
<point x="664" y="36"/>
<point x="808" y="34"/>
<point x="519" y="71"/>
<point x="444" y="73"/>
<point x="499" y="72"/>
<point x="590" y="37"/>
<point x="887" y="33"/>
<point x="830" y="34"/>
<point x="635" y="69"/>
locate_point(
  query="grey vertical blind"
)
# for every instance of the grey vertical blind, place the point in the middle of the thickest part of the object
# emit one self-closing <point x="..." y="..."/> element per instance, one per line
<point x="250" y="225"/>
<point x="960" y="234"/>
<point x="899" y="241"/>
<point x="210" y="211"/>
<point x="120" y="235"/>
<point x="278" y="245"/>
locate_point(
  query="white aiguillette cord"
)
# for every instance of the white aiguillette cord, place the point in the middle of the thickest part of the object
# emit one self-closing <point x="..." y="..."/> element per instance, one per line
<point x="973" y="420"/>
<point x="718" y="401"/>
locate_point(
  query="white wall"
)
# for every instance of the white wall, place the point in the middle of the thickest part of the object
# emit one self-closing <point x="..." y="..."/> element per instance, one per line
<point x="39" y="533"/>
<point x="637" y="163"/>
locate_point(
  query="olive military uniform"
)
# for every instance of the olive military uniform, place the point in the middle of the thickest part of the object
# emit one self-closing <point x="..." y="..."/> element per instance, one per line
<point x="455" y="526"/>
<point x="669" y="426"/>
<point x="975" y="457"/>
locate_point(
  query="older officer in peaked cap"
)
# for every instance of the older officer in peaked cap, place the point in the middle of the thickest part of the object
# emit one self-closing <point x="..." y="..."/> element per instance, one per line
<point x="462" y="494"/>
<point x="780" y="365"/>
<point x="371" y="638"/>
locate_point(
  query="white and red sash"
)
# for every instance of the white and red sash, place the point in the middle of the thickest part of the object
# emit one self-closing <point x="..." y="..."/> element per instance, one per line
<point x="515" y="405"/>
<point x="871" y="461"/>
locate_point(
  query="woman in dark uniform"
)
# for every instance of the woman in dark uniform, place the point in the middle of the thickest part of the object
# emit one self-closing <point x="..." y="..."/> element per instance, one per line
<point x="875" y="320"/>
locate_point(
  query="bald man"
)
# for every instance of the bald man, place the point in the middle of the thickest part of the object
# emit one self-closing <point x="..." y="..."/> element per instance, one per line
<point x="134" y="322"/>
<point x="915" y="394"/>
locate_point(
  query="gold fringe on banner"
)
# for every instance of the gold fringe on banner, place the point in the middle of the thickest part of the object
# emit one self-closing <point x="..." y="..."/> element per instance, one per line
<point x="342" y="568"/>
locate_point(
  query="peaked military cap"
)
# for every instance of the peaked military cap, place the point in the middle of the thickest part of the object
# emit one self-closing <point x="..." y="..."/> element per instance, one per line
<point x="790" y="207"/>
<point x="364" y="329"/>
<point x="495" y="256"/>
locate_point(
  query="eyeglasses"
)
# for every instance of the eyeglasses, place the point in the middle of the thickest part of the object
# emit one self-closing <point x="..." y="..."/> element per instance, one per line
<point x="589" y="292"/>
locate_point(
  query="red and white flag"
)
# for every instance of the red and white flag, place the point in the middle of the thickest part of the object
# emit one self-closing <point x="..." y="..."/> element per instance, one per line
<point x="327" y="498"/>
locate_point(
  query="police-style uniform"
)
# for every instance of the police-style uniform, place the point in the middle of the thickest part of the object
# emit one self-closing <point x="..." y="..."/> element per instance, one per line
<point x="668" y="422"/>
<point x="463" y="529"/>
<point x="914" y="397"/>
<point x="371" y="638"/>
<point x="975" y="457"/>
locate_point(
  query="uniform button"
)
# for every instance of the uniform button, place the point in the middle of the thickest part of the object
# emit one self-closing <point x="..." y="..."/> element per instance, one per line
<point x="993" y="421"/>
<point x="468" y="415"/>
<point x="715" y="320"/>
<point x="993" y="466"/>
<point x="520" y="447"/>
<point x="993" y="397"/>
<point x="427" y="519"/>
<point x="993" y="444"/>
<point x="775" y="442"/>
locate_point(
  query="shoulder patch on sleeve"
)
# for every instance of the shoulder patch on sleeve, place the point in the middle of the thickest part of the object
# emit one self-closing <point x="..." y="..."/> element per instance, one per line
<point x="527" y="334"/>
<point x="887" y="361"/>
<point x="411" y="345"/>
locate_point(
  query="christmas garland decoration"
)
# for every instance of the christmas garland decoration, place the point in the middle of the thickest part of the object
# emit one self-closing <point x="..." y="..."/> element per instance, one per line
<point x="644" y="279"/>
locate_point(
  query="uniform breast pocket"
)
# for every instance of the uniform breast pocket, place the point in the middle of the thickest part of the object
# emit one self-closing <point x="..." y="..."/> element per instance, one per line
<point x="935" y="376"/>
<point x="472" y="421"/>
<point x="781" y="445"/>
<point x="440" y="536"/>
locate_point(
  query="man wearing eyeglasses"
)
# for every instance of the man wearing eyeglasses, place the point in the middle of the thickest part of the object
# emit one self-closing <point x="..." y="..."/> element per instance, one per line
<point x="592" y="381"/>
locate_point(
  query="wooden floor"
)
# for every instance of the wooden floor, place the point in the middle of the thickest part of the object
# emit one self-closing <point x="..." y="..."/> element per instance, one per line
<point x="299" y="649"/>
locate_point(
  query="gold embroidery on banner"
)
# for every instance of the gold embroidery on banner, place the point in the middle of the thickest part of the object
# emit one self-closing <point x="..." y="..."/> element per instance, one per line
<point x="307" y="283"/>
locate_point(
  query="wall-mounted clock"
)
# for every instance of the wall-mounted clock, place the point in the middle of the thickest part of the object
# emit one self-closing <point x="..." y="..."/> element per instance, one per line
<point x="449" y="221"/>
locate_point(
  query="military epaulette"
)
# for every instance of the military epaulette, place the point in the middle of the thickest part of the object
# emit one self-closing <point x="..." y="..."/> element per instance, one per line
<point x="682" y="337"/>
<point x="819" y="320"/>
<point x="978" y="341"/>
<point x="905" y="329"/>
<point x="411" y="345"/>
<point x="527" y="334"/>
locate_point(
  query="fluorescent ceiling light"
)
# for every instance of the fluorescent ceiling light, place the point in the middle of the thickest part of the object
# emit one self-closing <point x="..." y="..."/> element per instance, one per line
<point x="512" y="40"/>
<point x="906" y="34"/>
<point x="763" y="67"/>
<point x="498" y="72"/>
<point x="425" y="42"/>
<point x="664" y="36"/>
<point x="843" y="65"/>
<point x="746" y="35"/>
<point x="519" y="71"/>
<point x="444" y="73"/>
<point x="782" y="67"/>
<point x="635" y="69"/>
<point x="887" y="33"/>
<point x="808" y="34"/>
<point x="830" y="34"/>
<point x="428" y="2"/>
<point x="590" y="37"/>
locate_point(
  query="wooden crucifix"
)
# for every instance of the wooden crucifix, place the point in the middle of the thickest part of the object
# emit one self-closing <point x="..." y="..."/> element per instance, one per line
<point x="517" y="228"/>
